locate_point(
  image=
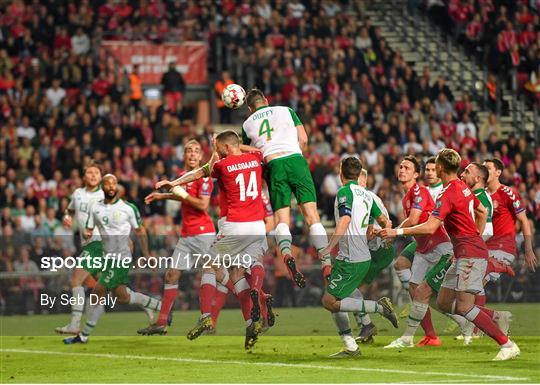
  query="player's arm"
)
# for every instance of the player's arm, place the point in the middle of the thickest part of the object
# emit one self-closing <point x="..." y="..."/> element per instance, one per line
<point x="67" y="219"/>
<point x="90" y="224"/>
<point x="341" y="229"/>
<point x="427" y="228"/>
<point x="141" y="234"/>
<point x="480" y="217"/>
<point x="201" y="172"/>
<point x="301" y="131"/>
<point x="530" y="257"/>
<point x="201" y="203"/>
<point x="412" y="219"/>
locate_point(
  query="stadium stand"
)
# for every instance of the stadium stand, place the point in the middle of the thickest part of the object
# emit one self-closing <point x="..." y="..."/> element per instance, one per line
<point x="63" y="103"/>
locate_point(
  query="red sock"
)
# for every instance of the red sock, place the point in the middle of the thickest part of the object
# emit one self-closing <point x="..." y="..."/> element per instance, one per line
<point x="169" y="296"/>
<point x="256" y="278"/>
<point x="207" y="292"/>
<point x="488" y="311"/>
<point x="484" y="322"/>
<point x="219" y="302"/>
<point x="427" y="325"/>
<point x="242" y="292"/>
<point x="480" y="300"/>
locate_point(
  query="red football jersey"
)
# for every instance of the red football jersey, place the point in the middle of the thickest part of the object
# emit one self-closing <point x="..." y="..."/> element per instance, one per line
<point x="455" y="207"/>
<point x="418" y="197"/>
<point x="195" y="221"/>
<point x="222" y="200"/>
<point x="506" y="206"/>
<point x="240" y="178"/>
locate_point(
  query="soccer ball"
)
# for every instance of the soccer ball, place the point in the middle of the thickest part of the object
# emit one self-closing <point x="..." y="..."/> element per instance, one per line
<point x="233" y="96"/>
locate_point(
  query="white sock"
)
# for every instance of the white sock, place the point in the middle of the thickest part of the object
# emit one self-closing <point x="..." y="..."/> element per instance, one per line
<point x="94" y="312"/>
<point x="416" y="315"/>
<point x="284" y="238"/>
<point x="144" y="301"/>
<point x="319" y="239"/>
<point x="404" y="277"/>
<point x="222" y="288"/>
<point x="341" y="320"/>
<point x="363" y="306"/>
<point x="460" y="320"/>
<point x="78" y="308"/>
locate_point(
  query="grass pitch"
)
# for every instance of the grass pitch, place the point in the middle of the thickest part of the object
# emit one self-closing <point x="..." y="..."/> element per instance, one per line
<point x="295" y="351"/>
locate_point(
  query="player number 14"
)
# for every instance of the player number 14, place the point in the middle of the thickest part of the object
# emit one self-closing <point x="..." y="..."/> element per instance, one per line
<point x="251" y="190"/>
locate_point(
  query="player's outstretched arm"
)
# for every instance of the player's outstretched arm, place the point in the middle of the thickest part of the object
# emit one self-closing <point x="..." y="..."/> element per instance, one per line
<point x="530" y="257"/>
<point x="302" y="136"/>
<point x="246" y="148"/>
<point x="427" y="228"/>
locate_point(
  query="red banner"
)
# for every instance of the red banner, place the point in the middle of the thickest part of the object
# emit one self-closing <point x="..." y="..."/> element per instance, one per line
<point x="153" y="59"/>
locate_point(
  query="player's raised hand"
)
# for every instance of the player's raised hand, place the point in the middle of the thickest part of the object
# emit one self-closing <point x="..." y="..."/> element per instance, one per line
<point x="67" y="220"/>
<point x="153" y="196"/>
<point x="163" y="184"/>
<point x="88" y="233"/>
<point x="530" y="259"/>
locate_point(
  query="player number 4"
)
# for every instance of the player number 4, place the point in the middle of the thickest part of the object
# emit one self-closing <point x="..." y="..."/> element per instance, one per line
<point x="251" y="191"/>
<point x="265" y="128"/>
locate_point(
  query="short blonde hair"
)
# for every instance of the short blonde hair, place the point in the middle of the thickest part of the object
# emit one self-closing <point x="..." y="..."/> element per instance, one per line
<point x="449" y="160"/>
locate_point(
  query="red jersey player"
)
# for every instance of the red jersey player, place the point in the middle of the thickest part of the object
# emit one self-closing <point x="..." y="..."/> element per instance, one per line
<point x="242" y="236"/>
<point x="430" y="259"/>
<point x="507" y="209"/>
<point x="464" y="218"/>
<point x="197" y="233"/>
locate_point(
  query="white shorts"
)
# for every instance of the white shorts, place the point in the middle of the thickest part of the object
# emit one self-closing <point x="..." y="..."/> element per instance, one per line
<point x="501" y="256"/>
<point x="190" y="251"/>
<point x="422" y="263"/>
<point x="466" y="274"/>
<point x="242" y="242"/>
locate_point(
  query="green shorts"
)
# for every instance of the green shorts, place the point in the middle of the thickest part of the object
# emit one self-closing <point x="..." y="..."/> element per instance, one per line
<point x="94" y="250"/>
<point x="435" y="276"/>
<point x="346" y="277"/>
<point x="380" y="259"/>
<point x="289" y="175"/>
<point x="112" y="277"/>
<point x="409" y="251"/>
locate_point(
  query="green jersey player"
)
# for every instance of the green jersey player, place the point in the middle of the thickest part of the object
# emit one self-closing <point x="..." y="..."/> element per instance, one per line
<point x="353" y="209"/>
<point x="114" y="218"/>
<point x="79" y="206"/>
<point x="280" y="135"/>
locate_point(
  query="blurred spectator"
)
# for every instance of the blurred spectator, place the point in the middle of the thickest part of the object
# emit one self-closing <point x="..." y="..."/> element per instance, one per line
<point x="174" y="87"/>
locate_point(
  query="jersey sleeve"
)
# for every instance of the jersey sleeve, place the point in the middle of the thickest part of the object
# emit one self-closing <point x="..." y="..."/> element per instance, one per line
<point x="344" y="200"/>
<point x="443" y="206"/>
<point x="295" y="118"/>
<point x="71" y="205"/>
<point x="513" y="201"/>
<point x="135" y="219"/>
<point x="258" y="155"/>
<point x="421" y="200"/>
<point x="245" y="138"/>
<point x="375" y="212"/>
<point x="205" y="187"/>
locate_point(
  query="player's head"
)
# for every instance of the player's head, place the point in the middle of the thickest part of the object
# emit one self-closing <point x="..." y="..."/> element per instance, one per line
<point x="109" y="185"/>
<point x="192" y="154"/>
<point x="92" y="174"/>
<point x="362" y="179"/>
<point x="447" y="162"/>
<point x="495" y="168"/>
<point x="350" y="169"/>
<point x="409" y="169"/>
<point x="227" y="142"/>
<point x="255" y="99"/>
<point x="475" y="175"/>
<point x="430" y="173"/>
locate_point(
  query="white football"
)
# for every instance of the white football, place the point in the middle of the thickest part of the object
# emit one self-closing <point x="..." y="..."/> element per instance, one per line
<point x="233" y="96"/>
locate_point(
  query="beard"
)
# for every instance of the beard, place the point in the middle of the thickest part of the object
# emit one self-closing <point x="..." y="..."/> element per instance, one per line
<point x="111" y="194"/>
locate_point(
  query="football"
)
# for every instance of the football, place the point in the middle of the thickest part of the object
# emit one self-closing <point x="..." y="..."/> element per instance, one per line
<point x="233" y="96"/>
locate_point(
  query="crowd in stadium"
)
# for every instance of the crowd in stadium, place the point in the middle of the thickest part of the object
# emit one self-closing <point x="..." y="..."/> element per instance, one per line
<point x="63" y="103"/>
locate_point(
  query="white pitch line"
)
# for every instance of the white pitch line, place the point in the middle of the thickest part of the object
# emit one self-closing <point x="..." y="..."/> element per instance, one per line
<point x="275" y="364"/>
